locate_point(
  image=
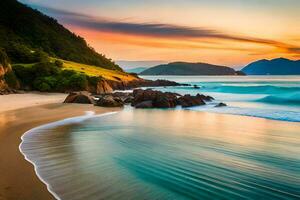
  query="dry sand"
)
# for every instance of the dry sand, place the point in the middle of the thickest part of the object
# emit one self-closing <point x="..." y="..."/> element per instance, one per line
<point x="16" y="101"/>
<point x="18" y="179"/>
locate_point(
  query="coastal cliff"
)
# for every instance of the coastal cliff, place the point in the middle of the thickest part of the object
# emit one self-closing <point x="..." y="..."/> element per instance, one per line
<point x="7" y="78"/>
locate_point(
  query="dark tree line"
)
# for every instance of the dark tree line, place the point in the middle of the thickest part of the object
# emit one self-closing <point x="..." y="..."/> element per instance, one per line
<point x="27" y="36"/>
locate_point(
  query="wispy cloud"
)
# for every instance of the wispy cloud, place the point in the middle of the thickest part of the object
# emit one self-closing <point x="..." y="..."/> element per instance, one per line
<point x="159" y="30"/>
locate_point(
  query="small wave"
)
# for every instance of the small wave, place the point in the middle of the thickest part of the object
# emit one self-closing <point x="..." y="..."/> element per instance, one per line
<point x="272" y="114"/>
<point x="290" y="98"/>
<point x="28" y="136"/>
<point x="263" y="89"/>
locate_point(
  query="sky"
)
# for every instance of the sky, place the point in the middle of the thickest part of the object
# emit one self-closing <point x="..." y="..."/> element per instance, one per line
<point x="228" y="32"/>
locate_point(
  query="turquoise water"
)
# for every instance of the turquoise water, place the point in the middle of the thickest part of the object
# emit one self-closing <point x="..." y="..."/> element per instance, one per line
<point x="272" y="97"/>
<point x="166" y="154"/>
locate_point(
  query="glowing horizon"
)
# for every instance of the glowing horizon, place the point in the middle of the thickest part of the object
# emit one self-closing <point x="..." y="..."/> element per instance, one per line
<point x="231" y="32"/>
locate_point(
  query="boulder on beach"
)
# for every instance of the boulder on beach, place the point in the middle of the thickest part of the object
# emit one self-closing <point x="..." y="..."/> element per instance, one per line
<point x="221" y="105"/>
<point x="189" y="101"/>
<point x="160" y="99"/>
<point x="79" y="97"/>
<point x="109" y="101"/>
<point x="204" y="97"/>
<point x="144" y="104"/>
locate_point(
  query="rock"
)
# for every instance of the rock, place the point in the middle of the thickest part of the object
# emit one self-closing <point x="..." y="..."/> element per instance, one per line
<point x="109" y="101"/>
<point x="129" y="100"/>
<point x="205" y="98"/>
<point x="221" y="105"/>
<point x="79" y="97"/>
<point x="163" y="101"/>
<point x="167" y="99"/>
<point x="144" y="104"/>
<point x="103" y="87"/>
<point x="125" y="85"/>
<point x="159" y="99"/>
<point x="189" y="101"/>
<point x="196" y="87"/>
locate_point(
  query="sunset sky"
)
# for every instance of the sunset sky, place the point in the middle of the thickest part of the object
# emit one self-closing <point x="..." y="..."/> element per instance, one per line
<point x="227" y="32"/>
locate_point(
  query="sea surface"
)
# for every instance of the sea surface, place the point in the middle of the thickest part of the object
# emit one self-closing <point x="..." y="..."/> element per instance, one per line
<point x="166" y="154"/>
<point x="272" y="97"/>
<point x="179" y="153"/>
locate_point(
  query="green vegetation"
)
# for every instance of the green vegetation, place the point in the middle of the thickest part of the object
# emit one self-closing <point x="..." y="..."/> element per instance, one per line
<point x="4" y="61"/>
<point x="29" y="36"/>
<point x="11" y="80"/>
<point x="7" y="76"/>
<point x="38" y="48"/>
<point x="91" y="70"/>
<point x="50" y="77"/>
<point x="189" y="69"/>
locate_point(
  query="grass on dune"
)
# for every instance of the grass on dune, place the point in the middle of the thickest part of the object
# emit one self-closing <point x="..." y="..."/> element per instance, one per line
<point x="97" y="71"/>
<point x="25" y="65"/>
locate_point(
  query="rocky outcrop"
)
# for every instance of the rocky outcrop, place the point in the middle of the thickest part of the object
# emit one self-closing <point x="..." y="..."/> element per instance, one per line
<point x="158" y="99"/>
<point x="4" y="68"/>
<point x="79" y="97"/>
<point x="144" y="104"/>
<point x="189" y="101"/>
<point x="221" y="105"/>
<point x="122" y="85"/>
<point x="109" y="100"/>
<point x="139" y="99"/>
<point x="101" y="87"/>
<point x="8" y="80"/>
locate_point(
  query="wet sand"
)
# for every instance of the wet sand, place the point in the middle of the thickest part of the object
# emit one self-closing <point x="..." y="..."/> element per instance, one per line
<point x="18" y="179"/>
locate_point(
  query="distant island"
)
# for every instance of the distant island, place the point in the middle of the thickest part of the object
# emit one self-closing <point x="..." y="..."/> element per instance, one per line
<point x="278" y="66"/>
<point x="136" y="70"/>
<point x="190" y="69"/>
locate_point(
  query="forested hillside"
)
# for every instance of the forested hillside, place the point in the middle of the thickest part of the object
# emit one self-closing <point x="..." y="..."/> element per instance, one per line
<point x="28" y="36"/>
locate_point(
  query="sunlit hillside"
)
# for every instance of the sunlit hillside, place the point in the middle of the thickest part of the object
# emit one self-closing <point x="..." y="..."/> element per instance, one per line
<point x="97" y="71"/>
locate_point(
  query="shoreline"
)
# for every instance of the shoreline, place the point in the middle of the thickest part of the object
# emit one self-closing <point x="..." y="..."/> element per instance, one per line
<point x="20" y="180"/>
<point x="207" y="120"/>
<point x="54" y="124"/>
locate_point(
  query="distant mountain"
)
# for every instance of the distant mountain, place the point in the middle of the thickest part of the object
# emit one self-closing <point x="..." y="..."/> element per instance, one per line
<point x="25" y="31"/>
<point x="136" y="70"/>
<point x="129" y="64"/>
<point x="184" y="68"/>
<point x="278" y="66"/>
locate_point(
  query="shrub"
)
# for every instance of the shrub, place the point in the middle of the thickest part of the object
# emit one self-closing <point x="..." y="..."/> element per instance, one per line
<point x="24" y="74"/>
<point x="45" y="69"/>
<point x="3" y="58"/>
<point x="45" y="84"/>
<point x="78" y="82"/>
<point x="42" y="86"/>
<point x="22" y="54"/>
<point x="93" y="80"/>
<point x="48" y="77"/>
<point x="11" y="80"/>
<point x="58" y="63"/>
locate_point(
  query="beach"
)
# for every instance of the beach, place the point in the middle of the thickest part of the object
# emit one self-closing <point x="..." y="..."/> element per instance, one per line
<point x="219" y="148"/>
<point x="18" y="178"/>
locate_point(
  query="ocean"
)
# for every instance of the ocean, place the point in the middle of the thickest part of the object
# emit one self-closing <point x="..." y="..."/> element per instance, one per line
<point x="179" y="153"/>
<point x="272" y="97"/>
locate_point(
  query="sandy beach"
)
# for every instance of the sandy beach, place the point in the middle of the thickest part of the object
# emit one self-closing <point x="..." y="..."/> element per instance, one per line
<point x="18" y="178"/>
<point x="18" y="114"/>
